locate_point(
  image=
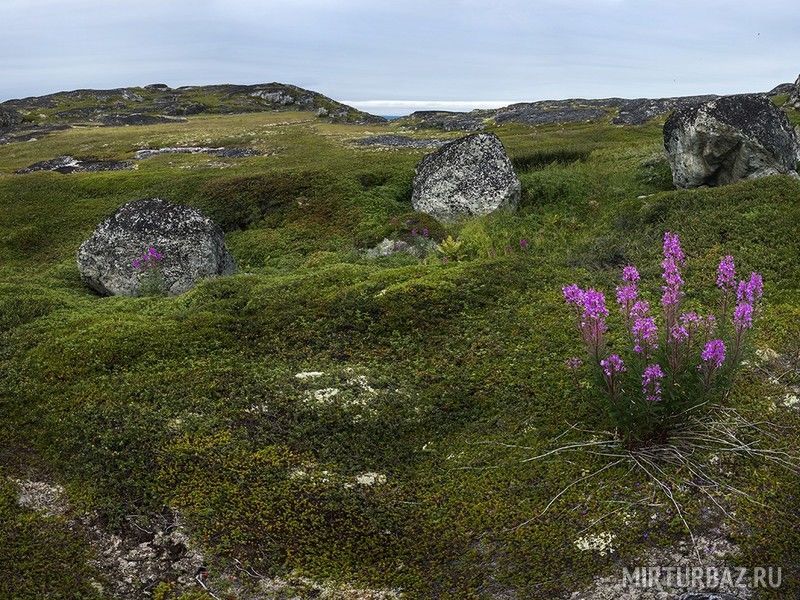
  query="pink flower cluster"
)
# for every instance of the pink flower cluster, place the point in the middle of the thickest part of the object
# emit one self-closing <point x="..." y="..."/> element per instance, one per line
<point x="685" y="335"/>
<point x="151" y="258"/>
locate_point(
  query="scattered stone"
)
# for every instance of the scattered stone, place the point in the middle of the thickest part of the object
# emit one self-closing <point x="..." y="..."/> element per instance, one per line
<point x="68" y="164"/>
<point x="30" y="133"/>
<point x="420" y="248"/>
<point x="399" y="141"/>
<point x="44" y="498"/>
<point x="729" y="139"/>
<point x="370" y="479"/>
<point x="708" y="596"/>
<point x="192" y="245"/>
<point x="117" y="120"/>
<point x="470" y="176"/>
<point x="221" y="152"/>
<point x="309" y="374"/>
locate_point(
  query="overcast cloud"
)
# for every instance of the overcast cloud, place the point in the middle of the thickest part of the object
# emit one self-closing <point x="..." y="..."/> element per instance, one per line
<point x="393" y="57"/>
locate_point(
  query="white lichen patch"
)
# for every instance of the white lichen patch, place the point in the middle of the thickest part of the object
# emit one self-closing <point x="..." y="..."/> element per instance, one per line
<point x="44" y="498"/>
<point x="603" y="543"/>
<point x="370" y="479"/>
<point x="791" y="400"/>
<point x="323" y="396"/>
<point x="303" y="375"/>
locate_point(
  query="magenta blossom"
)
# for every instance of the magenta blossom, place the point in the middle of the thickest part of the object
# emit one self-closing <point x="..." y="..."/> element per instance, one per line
<point x="743" y="316"/>
<point x="679" y="333"/>
<point x="713" y="353"/>
<point x="523" y="243"/>
<point x="630" y="274"/>
<point x="627" y="295"/>
<point x="612" y="365"/>
<point x="594" y="304"/>
<point x="645" y="335"/>
<point x="651" y="382"/>
<point x="672" y="248"/>
<point x="726" y="274"/>
<point x="640" y="309"/>
<point x="573" y="294"/>
<point x="574" y="363"/>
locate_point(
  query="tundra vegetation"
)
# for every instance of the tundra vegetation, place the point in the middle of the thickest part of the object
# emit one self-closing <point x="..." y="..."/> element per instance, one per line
<point x="373" y="421"/>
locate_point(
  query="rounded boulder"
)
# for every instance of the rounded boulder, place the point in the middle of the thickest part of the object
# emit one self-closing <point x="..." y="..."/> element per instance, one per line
<point x="470" y="176"/>
<point x="148" y="237"/>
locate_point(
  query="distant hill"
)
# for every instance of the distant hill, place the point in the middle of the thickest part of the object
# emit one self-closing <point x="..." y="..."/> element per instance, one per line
<point x="159" y="102"/>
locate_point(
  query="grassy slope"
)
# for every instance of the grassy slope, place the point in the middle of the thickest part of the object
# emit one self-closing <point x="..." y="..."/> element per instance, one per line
<point x="141" y="402"/>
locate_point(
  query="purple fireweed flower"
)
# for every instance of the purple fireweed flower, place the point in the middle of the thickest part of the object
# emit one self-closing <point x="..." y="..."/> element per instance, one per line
<point x="673" y="280"/>
<point x="743" y="316"/>
<point x="136" y="263"/>
<point x="756" y="286"/>
<point x="573" y="294"/>
<point x="414" y="232"/>
<point x="612" y="365"/>
<point x="645" y="335"/>
<point x="630" y="274"/>
<point x="594" y="304"/>
<point x="672" y="248"/>
<point x="640" y="309"/>
<point x="523" y="243"/>
<point x="726" y="274"/>
<point x="574" y="363"/>
<point x="713" y="354"/>
<point x="425" y="232"/>
<point x="651" y="382"/>
<point x="627" y="294"/>
<point x="679" y="333"/>
<point x="690" y="319"/>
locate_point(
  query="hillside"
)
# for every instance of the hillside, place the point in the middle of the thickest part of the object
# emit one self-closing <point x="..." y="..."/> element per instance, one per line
<point x="327" y="423"/>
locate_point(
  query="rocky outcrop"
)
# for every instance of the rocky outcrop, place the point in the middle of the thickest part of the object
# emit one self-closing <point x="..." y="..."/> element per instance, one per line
<point x="794" y="96"/>
<point x="190" y="245"/>
<point x="158" y="103"/>
<point x="9" y="117"/>
<point x="220" y="152"/>
<point x="728" y="139"/>
<point x="399" y="141"/>
<point x="68" y="164"/>
<point x="470" y="176"/>
<point x="445" y="120"/>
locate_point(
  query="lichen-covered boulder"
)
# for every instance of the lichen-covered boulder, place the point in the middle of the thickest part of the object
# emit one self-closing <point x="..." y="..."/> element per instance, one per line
<point x="186" y="247"/>
<point x="728" y="139"/>
<point x="470" y="176"/>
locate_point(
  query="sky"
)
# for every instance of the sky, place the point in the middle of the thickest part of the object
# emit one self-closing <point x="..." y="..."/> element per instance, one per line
<point x="404" y="55"/>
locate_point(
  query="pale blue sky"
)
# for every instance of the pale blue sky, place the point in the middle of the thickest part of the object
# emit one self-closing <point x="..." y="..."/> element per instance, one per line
<point x="393" y="57"/>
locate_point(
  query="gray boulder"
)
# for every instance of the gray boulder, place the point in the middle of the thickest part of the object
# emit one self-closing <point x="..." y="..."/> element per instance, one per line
<point x="729" y="139"/>
<point x="470" y="176"/>
<point x="192" y="247"/>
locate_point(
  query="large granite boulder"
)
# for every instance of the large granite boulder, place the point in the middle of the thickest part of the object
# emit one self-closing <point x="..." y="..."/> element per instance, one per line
<point x="728" y="139"/>
<point x="470" y="176"/>
<point x="153" y="237"/>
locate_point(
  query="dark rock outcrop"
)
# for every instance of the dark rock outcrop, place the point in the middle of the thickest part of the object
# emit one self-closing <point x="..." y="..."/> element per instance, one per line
<point x="470" y="176"/>
<point x="192" y="247"/>
<point x="445" y="120"/>
<point x="220" y="152"/>
<point x="156" y="103"/>
<point x="728" y="139"/>
<point x="9" y="117"/>
<point x="398" y="141"/>
<point x="794" y="96"/>
<point x="68" y="164"/>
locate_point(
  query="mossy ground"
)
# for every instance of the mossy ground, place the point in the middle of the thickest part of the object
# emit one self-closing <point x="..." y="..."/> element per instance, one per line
<point x="449" y="375"/>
